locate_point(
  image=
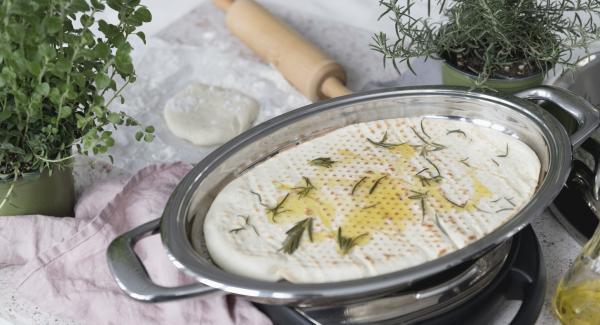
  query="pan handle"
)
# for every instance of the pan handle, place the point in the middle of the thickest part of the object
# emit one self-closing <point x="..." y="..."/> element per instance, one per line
<point x="131" y="275"/>
<point x="593" y="148"/>
<point x="586" y="116"/>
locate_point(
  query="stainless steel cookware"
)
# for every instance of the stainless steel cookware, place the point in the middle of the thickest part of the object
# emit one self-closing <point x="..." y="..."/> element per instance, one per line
<point x="579" y="203"/>
<point x="181" y="226"/>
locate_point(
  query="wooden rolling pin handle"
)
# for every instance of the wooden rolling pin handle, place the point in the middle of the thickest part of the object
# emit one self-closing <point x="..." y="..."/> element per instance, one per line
<point x="223" y="4"/>
<point x="305" y="66"/>
<point x="333" y="87"/>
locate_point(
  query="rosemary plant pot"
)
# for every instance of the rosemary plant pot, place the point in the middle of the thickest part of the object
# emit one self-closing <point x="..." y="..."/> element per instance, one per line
<point x="454" y="77"/>
<point x="48" y="194"/>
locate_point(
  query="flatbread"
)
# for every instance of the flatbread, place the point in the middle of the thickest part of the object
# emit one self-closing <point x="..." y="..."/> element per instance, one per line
<point x="208" y="115"/>
<point x="400" y="192"/>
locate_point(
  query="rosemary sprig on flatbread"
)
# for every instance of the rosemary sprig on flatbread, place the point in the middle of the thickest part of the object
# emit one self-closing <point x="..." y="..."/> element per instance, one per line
<point x="294" y="235"/>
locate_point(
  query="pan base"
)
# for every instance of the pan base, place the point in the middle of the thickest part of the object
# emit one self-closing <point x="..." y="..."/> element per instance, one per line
<point x="517" y="286"/>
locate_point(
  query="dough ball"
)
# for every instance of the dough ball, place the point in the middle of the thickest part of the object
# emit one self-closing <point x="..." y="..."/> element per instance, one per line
<point x="208" y="115"/>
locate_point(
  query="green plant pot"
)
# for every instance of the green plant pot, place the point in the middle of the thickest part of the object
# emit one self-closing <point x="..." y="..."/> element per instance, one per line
<point x="451" y="76"/>
<point x="39" y="194"/>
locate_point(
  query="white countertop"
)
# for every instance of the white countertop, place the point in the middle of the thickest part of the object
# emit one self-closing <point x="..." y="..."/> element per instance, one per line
<point x="559" y="249"/>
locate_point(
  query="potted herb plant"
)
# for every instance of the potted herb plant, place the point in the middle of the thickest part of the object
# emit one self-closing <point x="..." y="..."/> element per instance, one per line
<point x="506" y="45"/>
<point x="57" y="81"/>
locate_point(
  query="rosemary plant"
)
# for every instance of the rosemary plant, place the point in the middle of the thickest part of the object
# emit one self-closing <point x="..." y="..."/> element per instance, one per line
<point x="490" y="38"/>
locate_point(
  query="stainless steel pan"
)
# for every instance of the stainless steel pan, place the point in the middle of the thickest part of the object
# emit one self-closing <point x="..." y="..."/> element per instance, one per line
<point x="578" y="205"/>
<point x="181" y="225"/>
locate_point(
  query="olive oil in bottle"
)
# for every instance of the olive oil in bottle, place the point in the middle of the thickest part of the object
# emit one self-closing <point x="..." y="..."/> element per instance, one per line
<point x="578" y="304"/>
<point x="577" y="299"/>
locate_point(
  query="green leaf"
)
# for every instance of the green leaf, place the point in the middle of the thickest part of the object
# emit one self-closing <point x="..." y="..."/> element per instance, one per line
<point x="11" y="148"/>
<point x="65" y="111"/>
<point x="113" y="85"/>
<point x="115" y="118"/>
<point x="21" y="7"/>
<point x="98" y="100"/>
<point x="87" y="38"/>
<point x="34" y="67"/>
<point x="82" y="121"/>
<point x="70" y="92"/>
<point x="52" y="24"/>
<point x="99" y="111"/>
<point x="123" y="60"/>
<point x="115" y="4"/>
<point x="79" y="5"/>
<point x="131" y="121"/>
<point x="148" y="137"/>
<point x="109" y="142"/>
<point x="101" y="50"/>
<point x="20" y="65"/>
<point x="8" y="73"/>
<point x="143" y="14"/>
<point x="139" y="135"/>
<point x="100" y="149"/>
<point x="86" y="20"/>
<point x="149" y="129"/>
<point x="102" y="80"/>
<point x="63" y="65"/>
<point x="54" y="96"/>
<point x="5" y="115"/>
<point x="97" y="5"/>
<point x="47" y="51"/>
<point x="15" y="31"/>
<point x="43" y="89"/>
<point x="142" y="36"/>
<point x="112" y="32"/>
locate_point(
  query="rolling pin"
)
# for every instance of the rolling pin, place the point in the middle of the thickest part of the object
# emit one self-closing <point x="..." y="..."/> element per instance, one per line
<point x="305" y="66"/>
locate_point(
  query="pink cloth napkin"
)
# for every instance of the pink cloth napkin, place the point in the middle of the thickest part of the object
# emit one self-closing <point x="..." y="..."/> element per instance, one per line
<point x="63" y="260"/>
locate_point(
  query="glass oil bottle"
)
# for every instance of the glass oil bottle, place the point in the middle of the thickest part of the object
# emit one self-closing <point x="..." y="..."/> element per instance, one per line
<point x="577" y="299"/>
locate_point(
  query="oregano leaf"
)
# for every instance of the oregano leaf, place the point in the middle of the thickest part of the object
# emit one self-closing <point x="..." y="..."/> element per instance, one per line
<point x="123" y="61"/>
<point x="52" y="24"/>
<point x="102" y="80"/>
<point x="142" y="36"/>
<point x="143" y="14"/>
<point x="65" y="111"/>
<point x="43" y="89"/>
